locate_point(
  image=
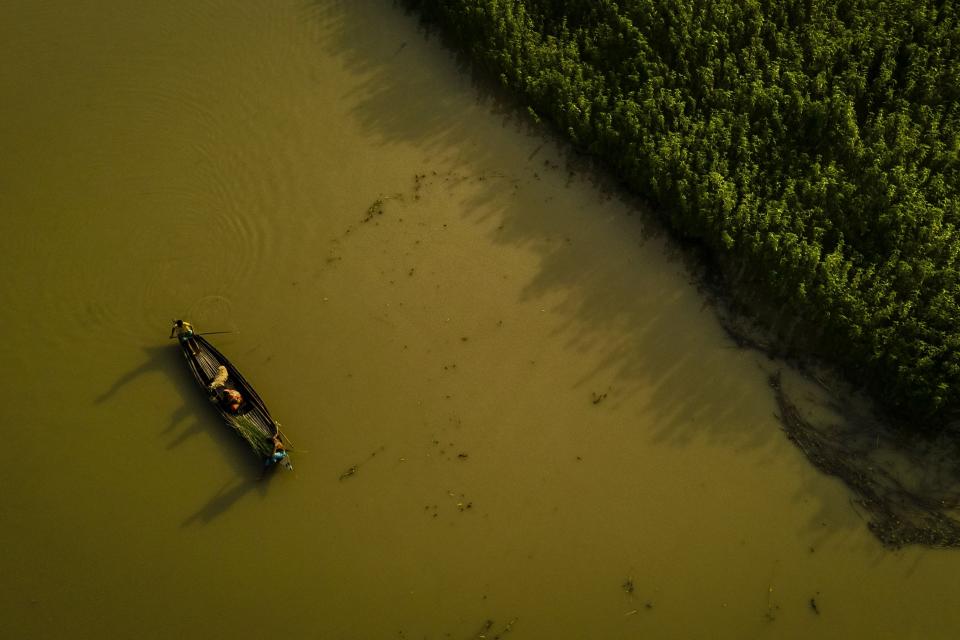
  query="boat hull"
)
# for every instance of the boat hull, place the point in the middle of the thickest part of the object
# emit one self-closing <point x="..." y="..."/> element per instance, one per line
<point x="252" y="420"/>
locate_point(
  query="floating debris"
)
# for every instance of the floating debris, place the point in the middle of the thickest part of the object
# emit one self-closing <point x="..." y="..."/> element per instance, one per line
<point x="353" y="470"/>
<point x="772" y="608"/>
<point x="375" y="209"/>
<point x="486" y="631"/>
<point x="482" y="634"/>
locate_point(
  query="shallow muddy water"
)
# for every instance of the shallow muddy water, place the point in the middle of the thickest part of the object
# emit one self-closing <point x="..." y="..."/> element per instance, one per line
<point x="552" y="436"/>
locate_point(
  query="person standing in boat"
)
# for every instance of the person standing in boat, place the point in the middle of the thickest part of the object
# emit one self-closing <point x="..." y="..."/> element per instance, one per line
<point x="183" y="331"/>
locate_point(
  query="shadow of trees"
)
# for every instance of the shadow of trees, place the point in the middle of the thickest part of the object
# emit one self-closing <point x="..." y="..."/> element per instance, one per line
<point x="633" y="315"/>
<point x="638" y="313"/>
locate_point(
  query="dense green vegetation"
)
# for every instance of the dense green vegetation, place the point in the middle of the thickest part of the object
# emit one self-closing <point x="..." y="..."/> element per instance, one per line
<point x="813" y="147"/>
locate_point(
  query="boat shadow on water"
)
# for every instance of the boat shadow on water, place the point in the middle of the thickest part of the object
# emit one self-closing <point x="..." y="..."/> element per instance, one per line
<point x="158" y="359"/>
<point x="228" y="495"/>
<point x="250" y="476"/>
<point x="168" y="362"/>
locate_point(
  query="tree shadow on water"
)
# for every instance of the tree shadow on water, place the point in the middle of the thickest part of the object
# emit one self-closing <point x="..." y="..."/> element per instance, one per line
<point x="632" y="314"/>
<point x="647" y="332"/>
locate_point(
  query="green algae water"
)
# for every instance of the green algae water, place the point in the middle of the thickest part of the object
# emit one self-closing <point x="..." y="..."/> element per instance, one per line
<point x="513" y="414"/>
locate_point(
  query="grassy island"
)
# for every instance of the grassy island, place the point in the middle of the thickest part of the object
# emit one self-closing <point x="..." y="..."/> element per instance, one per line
<point x="812" y="147"/>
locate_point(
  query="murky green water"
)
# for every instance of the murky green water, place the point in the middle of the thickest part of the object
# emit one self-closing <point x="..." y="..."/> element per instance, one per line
<point x="539" y="406"/>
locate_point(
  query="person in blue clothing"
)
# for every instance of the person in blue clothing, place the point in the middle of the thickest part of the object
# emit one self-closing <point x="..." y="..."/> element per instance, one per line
<point x="279" y="451"/>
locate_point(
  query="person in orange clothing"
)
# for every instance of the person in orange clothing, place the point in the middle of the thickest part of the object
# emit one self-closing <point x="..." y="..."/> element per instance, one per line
<point x="231" y="400"/>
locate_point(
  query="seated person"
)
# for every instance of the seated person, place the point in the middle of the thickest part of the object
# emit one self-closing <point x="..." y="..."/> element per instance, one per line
<point x="231" y="400"/>
<point x="279" y="451"/>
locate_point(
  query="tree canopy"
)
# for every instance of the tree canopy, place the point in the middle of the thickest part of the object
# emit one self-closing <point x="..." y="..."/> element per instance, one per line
<point x="812" y="146"/>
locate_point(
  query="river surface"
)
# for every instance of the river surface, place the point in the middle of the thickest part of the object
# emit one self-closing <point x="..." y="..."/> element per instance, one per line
<point x="551" y="435"/>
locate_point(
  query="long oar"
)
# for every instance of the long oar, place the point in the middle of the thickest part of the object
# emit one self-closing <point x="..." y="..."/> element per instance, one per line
<point x="207" y="333"/>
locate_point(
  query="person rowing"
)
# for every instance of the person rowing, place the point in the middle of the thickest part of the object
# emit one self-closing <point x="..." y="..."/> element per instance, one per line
<point x="183" y="331"/>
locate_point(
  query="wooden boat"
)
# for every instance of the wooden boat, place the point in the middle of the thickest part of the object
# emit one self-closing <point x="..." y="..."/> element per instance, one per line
<point x="252" y="419"/>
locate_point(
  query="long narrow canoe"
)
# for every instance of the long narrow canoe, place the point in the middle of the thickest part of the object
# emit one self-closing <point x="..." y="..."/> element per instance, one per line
<point x="252" y="420"/>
